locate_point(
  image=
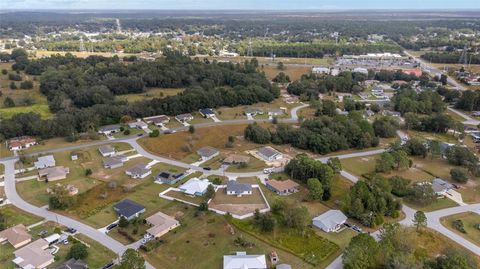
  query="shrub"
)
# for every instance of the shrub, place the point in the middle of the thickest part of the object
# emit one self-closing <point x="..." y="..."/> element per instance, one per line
<point x="459" y="175"/>
<point x="458" y="224"/>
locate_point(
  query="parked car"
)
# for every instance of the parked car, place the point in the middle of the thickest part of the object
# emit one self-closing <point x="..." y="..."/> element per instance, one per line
<point x="71" y="230"/>
<point x="108" y="265"/>
<point x="65" y="242"/>
<point x="111" y="226"/>
<point x="267" y="170"/>
<point x="207" y="168"/>
<point x="356" y="228"/>
<point x="139" y="134"/>
<point x="347" y="224"/>
<point x="42" y="233"/>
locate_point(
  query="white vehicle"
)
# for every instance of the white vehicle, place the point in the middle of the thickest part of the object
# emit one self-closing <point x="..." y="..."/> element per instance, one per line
<point x="267" y="170"/>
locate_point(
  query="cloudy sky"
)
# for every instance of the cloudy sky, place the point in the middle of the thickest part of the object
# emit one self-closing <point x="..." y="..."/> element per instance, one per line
<point x="243" y="4"/>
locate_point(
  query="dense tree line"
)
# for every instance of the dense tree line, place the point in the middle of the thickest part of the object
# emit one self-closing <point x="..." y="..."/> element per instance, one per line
<point x="312" y="85"/>
<point x="320" y="135"/>
<point x="469" y="101"/>
<point x="450" y="57"/>
<point x="426" y="102"/>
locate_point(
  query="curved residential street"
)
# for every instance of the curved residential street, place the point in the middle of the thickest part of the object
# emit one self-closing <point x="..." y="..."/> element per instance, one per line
<point x="118" y="248"/>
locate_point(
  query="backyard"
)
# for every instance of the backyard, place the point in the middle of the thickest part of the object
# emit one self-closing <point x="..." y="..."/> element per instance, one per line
<point x="238" y="205"/>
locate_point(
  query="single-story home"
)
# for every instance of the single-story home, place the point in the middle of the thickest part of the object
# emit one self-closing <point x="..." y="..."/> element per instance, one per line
<point x="243" y="261"/>
<point x="54" y="173"/>
<point x="238" y="189"/>
<point x="110" y="129"/>
<point x="44" y="162"/>
<point x="138" y="124"/>
<point x="330" y="221"/>
<point x="282" y="187"/>
<point x="128" y="209"/>
<point x="283" y="266"/>
<point x="157" y="120"/>
<point x="360" y="70"/>
<point x="166" y="177"/>
<point x="114" y="161"/>
<point x="34" y="255"/>
<point x="320" y="70"/>
<point x="138" y="171"/>
<point x="182" y="118"/>
<point x="236" y="159"/>
<point x="73" y="264"/>
<point x="253" y="111"/>
<point x="106" y="150"/>
<point x="17" y="236"/>
<point x="161" y="224"/>
<point x="21" y="142"/>
<point x="207" y="112"/>
<point x="276" y="112"/>
<point x="195" y="186"/>
<point x="269" y="154"/>
<point x="207" y="153"/>
<point x="440" y="186"/>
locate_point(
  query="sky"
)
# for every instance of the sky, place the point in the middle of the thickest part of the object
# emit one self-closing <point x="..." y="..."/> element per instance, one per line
<point x="241" y="4"/>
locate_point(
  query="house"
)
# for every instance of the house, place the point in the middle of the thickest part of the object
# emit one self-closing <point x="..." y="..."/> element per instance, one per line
<point x="276" y="112"/>
<point x="253" y="111"/>
<point x="183" y="118"/>
<point x="158" y="120"/>
<point x="416" y="72"/>
<point x="113" y="162"/>
<point x="282" y="187"/>
<point x="440" y="186"/>
<point x="475" y="136"/>
<point x="17" y="236"/>
<point x="106" y="150"/>
<point x="166" y="177"/>
<point x="110" y="129"/>
<point x="207" y="153"/>
<point x="73" y="264"/>
<point x="44" y="162"/>
<point x="283" y="266"/>
<point x="330" y="221"/>
<point x="360" y="70"/>
<point x="138" y="125"/>
<point x="54" y="173"/>
<point x="273" y="257"/>
<point x="128" y="209"/>
<point x="320" y="70"/>
<point x="138" y="171"/>
<point x="34" y="255"/>
<point x="236" y="159"/>
<point x="392" y="113"/>
<point x="195" y="186"/>
<point x="52" y="239"/>
<point x="74" y="157"/>
<point x="161" y="224"/>
<point x="238" y="189"/>
<point x="269" y="154"/>
<point x="207" y="112"/>
<point x="21" y="142"/>
<point x="243" y="261"/>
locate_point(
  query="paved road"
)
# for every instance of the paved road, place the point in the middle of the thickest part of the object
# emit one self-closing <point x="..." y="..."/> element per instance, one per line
<point x="354" y="154"/>
<point x="468" y="120"/>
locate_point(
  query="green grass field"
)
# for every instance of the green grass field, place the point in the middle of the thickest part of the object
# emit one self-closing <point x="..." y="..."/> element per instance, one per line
<point x="14" y="216"/>
<point x="150" y="94"/>
<point x="437" y="205"/>
<point x="43" y="110"/>
<point x="470" y="220"/>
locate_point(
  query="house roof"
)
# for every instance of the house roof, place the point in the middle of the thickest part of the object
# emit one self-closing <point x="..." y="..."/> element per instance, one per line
<point x="158" y="119"/>
<point x="106" y="149"/>
<point x="168" y="176"/>
<point x="207" y="151"/>
<point x="268" y="152"/>
<point x="243" y="261"/>
<point x="160" y="222"/>
<point x="73" y="264"/>
<point x="54" y="172"/>
<point x="252" y="110"/>
<point x="128" y="208"/>
<point x="238" y="188"/>
<point x="20" y="141"/>
<point x="207" y="111"/>
<point x="440" y="185"/>
<point x="109" y="128"/>
<point x="282" y="185"/>
<point x="283" y="266"/>
<point x="235" y="158"/>
<point x="16" y="234"/>
<point x="33" y="255"/>
<point x="184" y="116"/>
<point x="45" y="161"/>
<point x="138" y="169"/>
<point x="113" y="161"/>
<point x="331" y="218"/>
<point x="194" y="185"/>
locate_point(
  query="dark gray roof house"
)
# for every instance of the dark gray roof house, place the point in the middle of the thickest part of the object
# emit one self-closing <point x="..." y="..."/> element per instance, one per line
<point x="106" y="150"/>
<point x="168" y="177"/>
<point x="237" y="188"/>
<point x="114" y="162"/>
<point x="138" y="171"/>
<point x="73" y="264"/>
<point x="128" y="209"/>
<point x="207" y="112"/>
<point x="207" y="152"/>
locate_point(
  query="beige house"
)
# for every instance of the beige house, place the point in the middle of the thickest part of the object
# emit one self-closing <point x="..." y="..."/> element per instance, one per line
<point x="161" y="224"/>
<point x="236" y="159"/>
<point x="34" y="255"/>
<point x="54" y="173"/>
<point x="17" y="236"/>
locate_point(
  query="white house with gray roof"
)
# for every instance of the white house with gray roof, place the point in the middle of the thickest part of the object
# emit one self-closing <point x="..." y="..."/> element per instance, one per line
<point x="138" y="171"/>
<point x="330" y="221"/>
<point x="107" y="150"/>
<point x="207" y="153"/>
<point x="243" y="261"/>
<point x="110" y="129"/>
<point x="114" y="161"/>
<point x="269" y="154"/>
<point x="238" y="189"/>
<point x="45" y="162"/>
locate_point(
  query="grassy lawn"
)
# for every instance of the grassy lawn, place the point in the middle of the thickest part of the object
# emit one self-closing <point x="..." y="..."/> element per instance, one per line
<point x="150" y="93"/>
<point x="221" y="197"/>
<point x="204" y="239"/>
<point x="294" y="72"/>
<point x="136" y="231"/>
<point x="14" y="216"/>
<point x="448" y="138"/>
<point x="179" y="195"/>
<point x="312" y="248"/>
<point x="6" y="256"/>
<point x="307" y="112"/>
<point x="214" y="163"/>
<point x="470" y="220"/>
<point x="342" y="239"/>
<point x="133" y="131"/>
<point x="42" y="109"/>
<point x="4" y="152"/>
<point x="437" y="205"/>
<point x="252" y="166"/>
<point x="2" y="169"/>
<point x="54" y="143"/>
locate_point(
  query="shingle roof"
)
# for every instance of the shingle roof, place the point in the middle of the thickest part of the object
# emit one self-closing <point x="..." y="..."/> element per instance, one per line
<point x="183" y="116"/>
<point x="331" y="218"/>
<point x="128" y="208"/>
<point x="207" y="151"/>
<point x="440" y="185"/>
<point x="237" y="187"/>
<point x="195" y="185"/>
<point x="106" y="149"/>
<point x="45" y="161"/>
<point x="138" y="169"/>
<point x="112" y="161"/>
<point x="73" y="264"/>
<point x="109" y="128"/>
<point x="268" y="152"/>
<point x="16" y="234"/>
<point x="160" y="223"/>
<point x="243" y="261"/>
<point x="207" y="111"/>
<point x="34" y="254"/>
<point x="282" y="185"/>
<point x="166" y="176"/>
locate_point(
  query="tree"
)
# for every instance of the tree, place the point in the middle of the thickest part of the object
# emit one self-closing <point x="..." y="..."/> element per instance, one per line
<point x="419" y="220"/>
<point x="8" y="102"/>
<point x="88" y="172"/>
<point x="385" y="127"/>
<point x="401" y="159"/>
<point x="361" y="252"/>
<point x="3" y="222"/>
<point x="415" y="147"/>
<point x="385" y="162"/>
<point x="443" y="79"/>
<point x="315" y="188"/>
<point x="154" y="133"/>
<point x="131" y="259"/>
<point x="78" y="251"/>
<point x="123" y="222"/>
<point x="127" y="132"/>
<point x="191" y="129"/>
<point x="13" y="86"/>
<point x="458" y="155"/>
<point x="280" y="66"/>
<point x="335" y="164"/>
<point x="452" y="258"/>
<point x="459" y="175"/>
<point x="210" y="192"/>
<point x="422" y="194"/>
<point x="27" y="84"/>
<point x="203" y="206"/>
